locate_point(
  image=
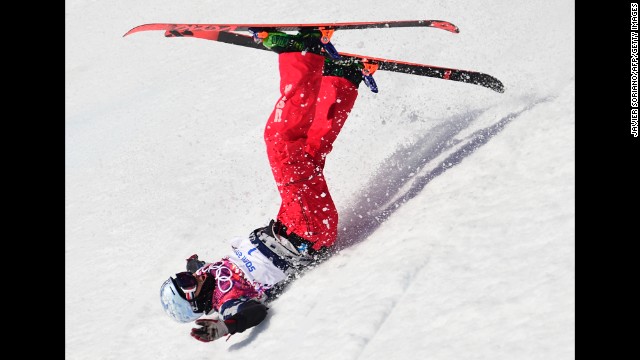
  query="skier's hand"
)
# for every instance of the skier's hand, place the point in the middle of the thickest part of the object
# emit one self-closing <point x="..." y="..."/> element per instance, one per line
<point x="209" y="330"/>
<point x="194" y="264"/>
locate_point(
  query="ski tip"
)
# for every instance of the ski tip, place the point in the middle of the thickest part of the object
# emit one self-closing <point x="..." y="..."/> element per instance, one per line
<point x="134" y="30"/>
<point x="444" y="25"/>
<point x="496" y="86"/>
<point x="485" y="80"/>
<point x="147" y="27"/>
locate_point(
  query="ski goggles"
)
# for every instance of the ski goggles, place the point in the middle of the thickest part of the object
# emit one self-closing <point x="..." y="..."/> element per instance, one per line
<point x="188" y="284"/>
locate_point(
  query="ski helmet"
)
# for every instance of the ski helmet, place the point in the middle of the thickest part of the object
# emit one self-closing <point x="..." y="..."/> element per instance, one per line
<point x="174" y="302"/>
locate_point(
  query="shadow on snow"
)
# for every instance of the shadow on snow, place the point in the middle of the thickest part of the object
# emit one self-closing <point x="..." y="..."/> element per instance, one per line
<point x="402" y="176"/>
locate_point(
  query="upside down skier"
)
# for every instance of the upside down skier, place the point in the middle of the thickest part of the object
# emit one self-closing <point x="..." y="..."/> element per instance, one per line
<point x="317" y="96"/>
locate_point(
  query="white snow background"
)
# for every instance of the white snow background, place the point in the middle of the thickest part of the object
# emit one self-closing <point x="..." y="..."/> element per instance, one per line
<point x="457" y="203"/>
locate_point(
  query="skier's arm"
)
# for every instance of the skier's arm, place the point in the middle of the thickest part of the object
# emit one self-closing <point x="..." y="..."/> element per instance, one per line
<point x="249" y="314"/>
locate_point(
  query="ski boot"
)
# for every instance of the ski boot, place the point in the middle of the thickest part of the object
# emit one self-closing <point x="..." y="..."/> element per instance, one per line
<point x="352" y="70"/>
<point x="314" y="41"/>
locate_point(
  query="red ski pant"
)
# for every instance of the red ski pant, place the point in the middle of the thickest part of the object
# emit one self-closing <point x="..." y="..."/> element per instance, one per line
<point x="299" y="134"/>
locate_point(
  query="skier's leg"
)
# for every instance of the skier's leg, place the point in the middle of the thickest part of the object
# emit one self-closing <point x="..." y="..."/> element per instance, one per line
<point x="286" y="130"/>
<point x="338" y="93"/>
<point x="296" y="151"/>
<point x="300" y="181"/>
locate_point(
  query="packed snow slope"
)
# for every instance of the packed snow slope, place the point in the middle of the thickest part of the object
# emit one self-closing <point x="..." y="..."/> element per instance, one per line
<point x="457" y="203"/>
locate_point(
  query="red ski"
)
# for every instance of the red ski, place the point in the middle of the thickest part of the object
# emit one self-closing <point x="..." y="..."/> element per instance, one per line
<point x="438" y="24"/>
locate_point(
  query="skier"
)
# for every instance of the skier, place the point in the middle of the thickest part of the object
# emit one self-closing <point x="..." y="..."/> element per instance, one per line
<point x="317" y="95"/>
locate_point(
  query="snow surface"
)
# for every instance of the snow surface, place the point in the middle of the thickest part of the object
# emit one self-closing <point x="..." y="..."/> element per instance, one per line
<point x="457" y="203"/>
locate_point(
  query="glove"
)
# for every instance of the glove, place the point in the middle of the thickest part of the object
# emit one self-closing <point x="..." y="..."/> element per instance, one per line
<point x="194" y="264"/>
<point x="209" y="330"/>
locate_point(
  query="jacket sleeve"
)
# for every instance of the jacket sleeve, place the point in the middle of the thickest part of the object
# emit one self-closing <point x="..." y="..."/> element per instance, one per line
<point x="250" y="314"/>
